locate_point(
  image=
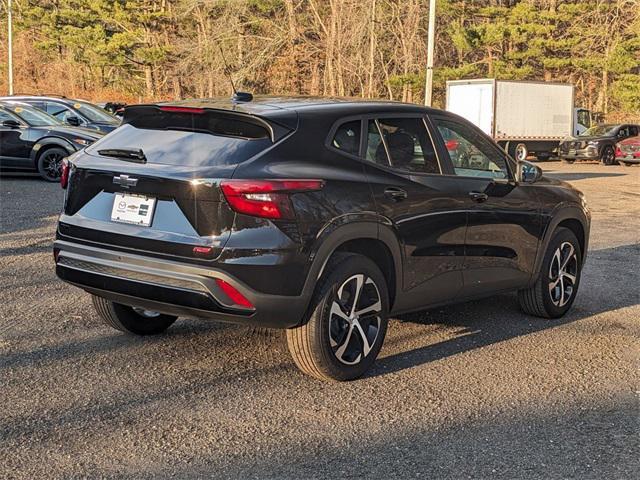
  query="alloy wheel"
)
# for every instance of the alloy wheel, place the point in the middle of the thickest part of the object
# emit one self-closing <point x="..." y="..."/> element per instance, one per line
<point x="354" y="319"/>
<point x="563" y="273"/>
<point x="52" y="164"/>
<point x="608" y="156"/>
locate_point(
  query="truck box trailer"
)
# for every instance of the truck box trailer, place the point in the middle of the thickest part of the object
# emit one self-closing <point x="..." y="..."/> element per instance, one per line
<point x="523" y="117"/>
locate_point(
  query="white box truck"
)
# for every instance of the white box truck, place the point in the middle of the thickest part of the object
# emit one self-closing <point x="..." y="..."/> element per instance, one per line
<point x="525" y="118"/>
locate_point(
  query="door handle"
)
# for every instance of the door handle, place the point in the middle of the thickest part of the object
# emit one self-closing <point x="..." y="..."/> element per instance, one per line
<point x="395" y="193"/>
<point x="478" y="196"/>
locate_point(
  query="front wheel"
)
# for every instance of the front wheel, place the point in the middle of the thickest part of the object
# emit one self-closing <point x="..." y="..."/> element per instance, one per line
<point x="608" y="156"/>
<point x="131" y="320"/>
<point x="50" y="163"/>
<point x="557" y="284"/>
<point x="348" y="321"/>
<point x="521" y="152"/>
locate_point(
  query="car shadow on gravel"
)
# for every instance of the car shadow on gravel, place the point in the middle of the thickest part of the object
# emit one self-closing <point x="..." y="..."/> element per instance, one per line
<point x="497" y="319"/>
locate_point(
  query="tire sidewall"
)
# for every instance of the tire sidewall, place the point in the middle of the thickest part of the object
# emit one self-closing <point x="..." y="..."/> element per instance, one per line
<point x="352" y="265"/>
<point x="604" y="158"/>
<point x="561" y="235"/>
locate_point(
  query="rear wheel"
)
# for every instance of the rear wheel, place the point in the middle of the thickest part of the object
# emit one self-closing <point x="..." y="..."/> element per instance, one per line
<point x="568" y="160"/>
<point x="608" y="156"/>
<point x="348" y="321"/>
<point x="131" y="320"/>
<point x="50" y="163"/>
<point x="557" y="284"/>
<point x="627" y="164"/>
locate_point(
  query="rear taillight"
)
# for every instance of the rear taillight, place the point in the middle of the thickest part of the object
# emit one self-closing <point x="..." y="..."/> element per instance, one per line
<point x="618" y="151"/>
<point x="266" y="198"/>
<point x="234" y="295"/>
<point x="64" y="174"/>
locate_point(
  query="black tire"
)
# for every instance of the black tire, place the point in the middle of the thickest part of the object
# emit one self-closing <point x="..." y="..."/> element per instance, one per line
<point x="543" y="157"/>
<point x="543" y="300"/>
<point x="568" y="160"/>
<point x="627" y="164"/>
<point x="50" y="163"/>
<point x="608" y="156"/>
<point x="127" y="319"/>
<point x="325" y="346"/>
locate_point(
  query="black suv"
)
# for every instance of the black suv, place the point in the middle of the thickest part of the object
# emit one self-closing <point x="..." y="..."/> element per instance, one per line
<point x="322" y="217"/>
<point x="76" y="113"/>
<point x="32" y="140"/>
<point x="596" y="143"/>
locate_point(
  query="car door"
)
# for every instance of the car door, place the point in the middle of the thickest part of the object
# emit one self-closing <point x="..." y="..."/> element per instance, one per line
<point x="422" y="206"/>
<point x="503" y="217"/>
<point x="14" y="146"/>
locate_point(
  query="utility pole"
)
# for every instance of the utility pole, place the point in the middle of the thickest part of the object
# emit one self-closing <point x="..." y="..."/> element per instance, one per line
<point x="10" y="39"/>
<point x="431" y="40"/>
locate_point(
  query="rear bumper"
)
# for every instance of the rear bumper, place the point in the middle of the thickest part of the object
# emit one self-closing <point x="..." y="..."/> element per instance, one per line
<point x="170" y="287"/>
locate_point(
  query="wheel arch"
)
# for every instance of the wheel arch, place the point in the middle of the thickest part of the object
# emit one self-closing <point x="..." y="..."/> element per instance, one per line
<point x="45" y="143"/>
<point x="571" y="217"/>
<point x="369" y="238"/>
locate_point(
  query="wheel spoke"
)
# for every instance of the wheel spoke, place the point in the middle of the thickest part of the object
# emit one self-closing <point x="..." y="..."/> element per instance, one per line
<point x="358" y="292"/>
<point x="570" y="277"/>
<point x="566" y="261"/>
<point x="561" y="301"/>
<point x="366" y="347"/>
<point x="343" y="347"/>
<point x="336" y="309"/>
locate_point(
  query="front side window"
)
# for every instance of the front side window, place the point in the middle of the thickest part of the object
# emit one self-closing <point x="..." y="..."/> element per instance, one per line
<point x="347" y="138"/>
<point x="5" y="116"/>
<point x="471" y="153"/>
<point x="402" y="143"/>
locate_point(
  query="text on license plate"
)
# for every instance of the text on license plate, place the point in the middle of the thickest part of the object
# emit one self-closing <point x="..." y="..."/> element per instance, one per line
<point x="135" y="209"/>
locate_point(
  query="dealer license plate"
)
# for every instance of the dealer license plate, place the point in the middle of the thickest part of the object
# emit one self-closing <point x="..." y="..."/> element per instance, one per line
<point x="135" y="209"/>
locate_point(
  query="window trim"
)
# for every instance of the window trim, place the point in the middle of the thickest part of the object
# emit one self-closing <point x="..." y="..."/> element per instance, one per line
<point x="510" y="175"/>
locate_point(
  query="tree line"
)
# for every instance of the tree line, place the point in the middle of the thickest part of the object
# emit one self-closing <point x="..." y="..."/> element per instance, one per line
<point x="137" y="50"/>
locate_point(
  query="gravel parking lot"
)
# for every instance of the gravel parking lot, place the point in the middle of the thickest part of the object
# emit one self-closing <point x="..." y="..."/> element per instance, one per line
<point x="477" y="390"/>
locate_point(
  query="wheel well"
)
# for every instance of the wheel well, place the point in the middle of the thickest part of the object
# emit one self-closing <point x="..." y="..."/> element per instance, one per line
<point x="576" y="227"/>
<point x="44" y="148"/>
<point x="380" y="254"/>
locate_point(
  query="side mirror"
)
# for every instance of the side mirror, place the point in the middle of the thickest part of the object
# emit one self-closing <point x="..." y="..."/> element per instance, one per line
<point x="73" y="121"/>
<point x="11" y="124"/>
<point x="528" y="172"/>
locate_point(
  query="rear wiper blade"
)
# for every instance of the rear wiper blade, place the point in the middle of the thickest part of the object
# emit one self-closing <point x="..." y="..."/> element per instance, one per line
<point x="129" y="154"/>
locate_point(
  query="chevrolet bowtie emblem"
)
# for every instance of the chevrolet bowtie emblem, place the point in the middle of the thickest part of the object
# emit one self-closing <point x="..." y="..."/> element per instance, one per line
<point x="125" y="181"/>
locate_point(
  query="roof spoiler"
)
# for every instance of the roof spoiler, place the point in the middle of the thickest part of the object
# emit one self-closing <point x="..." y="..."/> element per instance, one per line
<point x="195" y="119"/>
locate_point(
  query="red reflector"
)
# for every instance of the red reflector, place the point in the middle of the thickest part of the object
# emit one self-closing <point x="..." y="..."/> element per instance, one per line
<point x="234" y="295"/>
<point x="64" y="174"/>
<point x="266" y="198"/>
<point x="195" y="111"/>
<point x="202" y="250"/>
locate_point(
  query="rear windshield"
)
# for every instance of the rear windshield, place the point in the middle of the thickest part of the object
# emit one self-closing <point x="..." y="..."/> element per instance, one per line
<point x="179" y="145"/>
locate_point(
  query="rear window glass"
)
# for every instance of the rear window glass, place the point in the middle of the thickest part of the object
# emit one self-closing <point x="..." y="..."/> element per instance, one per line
<point x="347" y="138"/>
<point x="180" y="145"/>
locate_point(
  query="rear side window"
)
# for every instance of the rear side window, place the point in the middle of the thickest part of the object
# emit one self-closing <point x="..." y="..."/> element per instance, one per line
<point x="402" y="143"/>
<point x="347" y="138"/>
<point x="209" y="139"/>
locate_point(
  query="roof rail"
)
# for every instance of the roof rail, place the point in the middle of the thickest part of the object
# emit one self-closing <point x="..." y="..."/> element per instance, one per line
<point x="31" y="94"/>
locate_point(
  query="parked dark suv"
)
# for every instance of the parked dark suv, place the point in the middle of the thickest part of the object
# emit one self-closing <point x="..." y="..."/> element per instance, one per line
<point x="596" y="143"/>
<point x="76" y="113"/>
<point x="319" y="216"/>
<point x="32" y="140"/>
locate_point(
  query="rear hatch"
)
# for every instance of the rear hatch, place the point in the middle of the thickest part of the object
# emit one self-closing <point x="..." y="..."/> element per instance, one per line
<point x="152" y="185"/>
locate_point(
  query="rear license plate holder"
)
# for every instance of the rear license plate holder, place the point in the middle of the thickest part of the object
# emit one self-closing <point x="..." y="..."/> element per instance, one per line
<point x="133" y="209"/>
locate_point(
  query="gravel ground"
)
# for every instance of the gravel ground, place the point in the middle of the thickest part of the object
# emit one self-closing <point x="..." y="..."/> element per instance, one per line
<point x="477" y="390"/>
